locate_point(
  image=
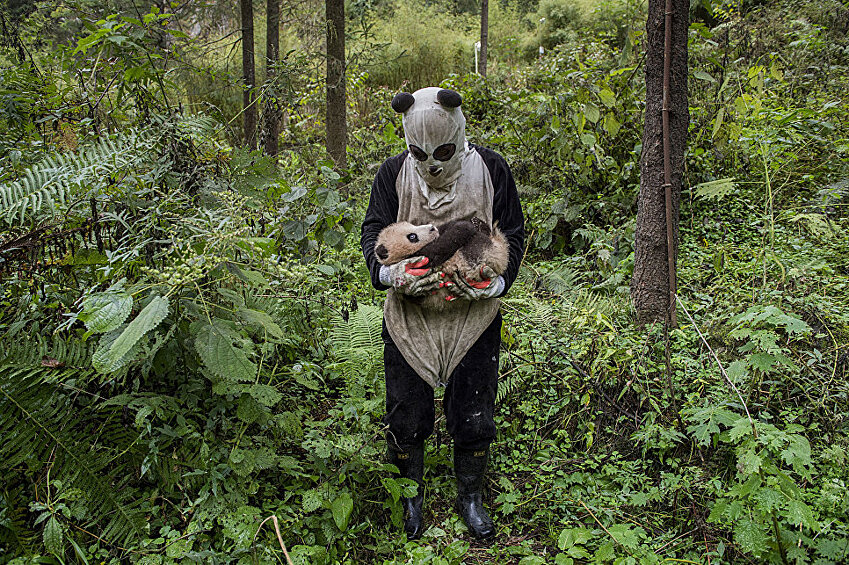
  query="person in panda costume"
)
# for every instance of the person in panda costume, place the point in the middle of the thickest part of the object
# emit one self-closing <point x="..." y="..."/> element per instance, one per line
<point x="440" y="178"/>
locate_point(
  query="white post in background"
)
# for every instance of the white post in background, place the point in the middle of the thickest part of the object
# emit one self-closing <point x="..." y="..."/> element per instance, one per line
<point x="477" y="54"/>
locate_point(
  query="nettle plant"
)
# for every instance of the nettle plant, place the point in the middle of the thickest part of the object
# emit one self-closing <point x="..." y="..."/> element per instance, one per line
<point x="760" y="329"/>
<point x="769" y="504"/>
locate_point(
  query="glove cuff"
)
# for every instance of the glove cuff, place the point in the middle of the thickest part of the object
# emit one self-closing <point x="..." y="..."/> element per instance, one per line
<point x="498" y="286"/>
<point x="385" y="275"/>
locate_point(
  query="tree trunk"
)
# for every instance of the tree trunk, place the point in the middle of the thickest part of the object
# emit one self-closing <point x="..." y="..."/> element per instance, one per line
<point x="271" y="112"/>
<point x="336" y="127"/>
<point x="484" y="35"/>
<point x="650" y="286"/>
<point x="248" y="73"/>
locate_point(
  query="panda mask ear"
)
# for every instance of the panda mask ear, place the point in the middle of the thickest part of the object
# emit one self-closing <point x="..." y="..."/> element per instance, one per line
<point x="402" y="101"/>
<point x="449" y="98"/>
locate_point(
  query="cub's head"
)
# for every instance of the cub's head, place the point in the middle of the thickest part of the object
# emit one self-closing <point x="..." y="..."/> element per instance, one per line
<point x="401" y="240"/>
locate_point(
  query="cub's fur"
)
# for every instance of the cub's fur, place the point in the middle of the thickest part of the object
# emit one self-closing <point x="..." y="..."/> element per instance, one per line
<point x="459" y="248"/>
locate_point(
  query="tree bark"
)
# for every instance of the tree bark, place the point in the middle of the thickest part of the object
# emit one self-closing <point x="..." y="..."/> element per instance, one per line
<point x="650" y="288"/>
<point x="248" y="73"/>
<point x="335" y="118"/>
<point x="484" y="35"/>
<point x="271" y="112"/>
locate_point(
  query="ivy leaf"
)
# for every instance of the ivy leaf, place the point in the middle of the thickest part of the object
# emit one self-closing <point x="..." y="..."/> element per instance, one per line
<point x="52" y="536"/>
<point x="216" y="346"/>
<point x="105" y="311"/>
<point x="341" y="509"/>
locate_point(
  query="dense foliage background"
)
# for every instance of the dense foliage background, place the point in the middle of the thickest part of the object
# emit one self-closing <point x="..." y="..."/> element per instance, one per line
<point x="189" y="343"/>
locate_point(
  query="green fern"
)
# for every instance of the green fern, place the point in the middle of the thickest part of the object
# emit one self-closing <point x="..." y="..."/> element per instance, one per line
<point x="357" y="344"/>
<point x="51" y="182"/>
<point x="42" y="425"/>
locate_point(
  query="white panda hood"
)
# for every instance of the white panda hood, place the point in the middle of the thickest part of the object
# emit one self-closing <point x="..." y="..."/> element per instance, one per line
<point x="435" y="131"/>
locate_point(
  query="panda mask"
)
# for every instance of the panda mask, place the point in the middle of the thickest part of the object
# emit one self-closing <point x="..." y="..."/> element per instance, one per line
<point x="435" y="131"/>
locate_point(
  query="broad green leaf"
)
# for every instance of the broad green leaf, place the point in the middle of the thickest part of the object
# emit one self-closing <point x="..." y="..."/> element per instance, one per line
<point x="311" y="501"/>
<point x="573" y="536"/>
<point x="52" y="536"/>
<point x="216" y="345"/>
<point x="102" y="360"/>
<point x="748" y="462"/>
<point x="717" y="122"/>
<point x="607" y="97"/>
<point x="110" y="357"/>
<point x="751" y="537"/>
<point x="266" y="395"/>
<point x="611" y="124"/>
<point x="253" y="278"/>
<point x="702" y="75"/>
<point x="341" y="510"/>
<point x="591" y="112"/>
<point x="714" y="189"/>
<point x="105" y="311"/>
<point x="392" y="487"/>
<point x="260" y="320"/>
<point x="150" y="317"/>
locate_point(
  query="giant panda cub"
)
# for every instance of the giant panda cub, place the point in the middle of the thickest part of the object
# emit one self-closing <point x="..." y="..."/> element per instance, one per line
<point x="460" y="248"/>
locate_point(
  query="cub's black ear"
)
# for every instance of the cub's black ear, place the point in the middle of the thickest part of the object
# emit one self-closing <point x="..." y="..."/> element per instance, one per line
<point x="402" y="101"/>
<point x="449" y="98"/>
<point x="381" y="251"/>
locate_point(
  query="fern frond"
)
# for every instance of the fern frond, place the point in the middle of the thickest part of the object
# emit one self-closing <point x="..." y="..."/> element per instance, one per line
<point x="561" y="281"/>
<point x="43" y="428"/>
<point x="357" y="344"/>
<point x="56" y="178"/>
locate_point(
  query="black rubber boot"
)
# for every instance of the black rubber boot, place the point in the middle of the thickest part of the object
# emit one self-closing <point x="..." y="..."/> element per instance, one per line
<point x="470" y="467"/>
<point x="411" y="465"/>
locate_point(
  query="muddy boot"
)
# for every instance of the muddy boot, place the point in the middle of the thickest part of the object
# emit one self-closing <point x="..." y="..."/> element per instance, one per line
<point x="411" y="465"/>
<point x="469" y="467"/>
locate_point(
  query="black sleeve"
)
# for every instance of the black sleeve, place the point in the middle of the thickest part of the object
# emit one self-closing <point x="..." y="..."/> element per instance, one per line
<point x="506" y="211"/>
<point x="382" y="211"/>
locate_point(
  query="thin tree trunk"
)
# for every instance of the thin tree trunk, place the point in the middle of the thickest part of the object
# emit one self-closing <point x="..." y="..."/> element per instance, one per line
<point x="336" y="126"/>
<point x="248" y="73"/>
<point x="271" y="112"/>
<point x="650" y="286"/>
<point x="484" y="35"/>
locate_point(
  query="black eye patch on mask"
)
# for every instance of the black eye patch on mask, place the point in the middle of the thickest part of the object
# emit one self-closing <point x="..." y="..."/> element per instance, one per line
<point x="418" y="153"/>
<point x="442" y="153"/>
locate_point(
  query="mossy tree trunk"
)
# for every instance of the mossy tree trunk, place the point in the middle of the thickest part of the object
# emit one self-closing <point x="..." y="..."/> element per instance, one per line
<point x="336" y="126"/>
<point x="271" y="111"/>
<point x="650" y="287"/>
<point x="248" y="74"/>
<point x="484" y="35"/>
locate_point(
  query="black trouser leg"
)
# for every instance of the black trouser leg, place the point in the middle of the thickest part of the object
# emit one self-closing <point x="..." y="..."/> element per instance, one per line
<point x="409" y="415"/>
<point x="409" y="400"/>
<point x="469" y="412"/>
<point x="470" y="395"/>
